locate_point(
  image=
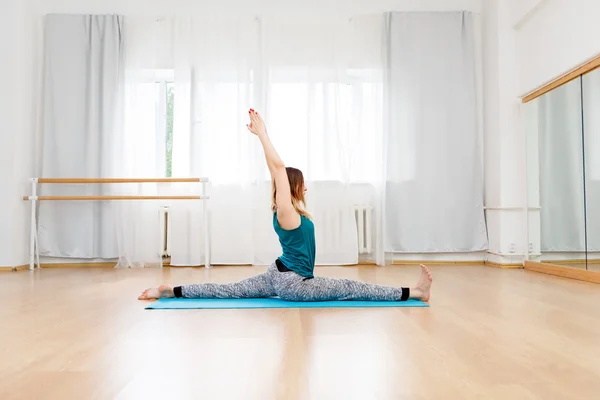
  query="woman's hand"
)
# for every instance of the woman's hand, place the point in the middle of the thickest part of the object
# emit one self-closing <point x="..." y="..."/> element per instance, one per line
<point x="256" y="125"/>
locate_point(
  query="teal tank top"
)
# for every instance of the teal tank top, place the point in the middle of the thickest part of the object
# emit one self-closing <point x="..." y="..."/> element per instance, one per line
<point x="298" y="246"/>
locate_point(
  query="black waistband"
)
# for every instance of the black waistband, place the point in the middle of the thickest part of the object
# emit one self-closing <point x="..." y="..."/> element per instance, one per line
<point x="282" y="268"/>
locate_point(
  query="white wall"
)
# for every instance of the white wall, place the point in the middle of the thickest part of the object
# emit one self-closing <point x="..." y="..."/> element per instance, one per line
<point x="190" y="7"/>
<point x="491" y="139"/>
<point x="28" y="78"/>
<point x="17" y="121"/>
<point x="556" y="37"/>
<point x="526" y="44"/>
<point x="521" y="10"/>
<point x="553" y="38"/>
<point x="8" y="121"/>
<point x="503" y="137"/>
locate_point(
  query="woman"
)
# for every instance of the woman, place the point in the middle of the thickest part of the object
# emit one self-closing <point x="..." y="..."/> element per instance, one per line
<point x="291" y="276"/>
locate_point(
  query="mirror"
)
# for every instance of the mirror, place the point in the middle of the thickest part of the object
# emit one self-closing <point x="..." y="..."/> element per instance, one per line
<point x="591" y="125"/>
<point x="555" y="177"/>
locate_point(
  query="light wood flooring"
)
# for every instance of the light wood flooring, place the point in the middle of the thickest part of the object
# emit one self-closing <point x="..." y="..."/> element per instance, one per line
<point x="489" y="334"/>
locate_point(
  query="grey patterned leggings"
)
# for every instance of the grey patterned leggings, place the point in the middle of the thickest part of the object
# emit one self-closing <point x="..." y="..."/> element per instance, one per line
<point x="293" y="287"/>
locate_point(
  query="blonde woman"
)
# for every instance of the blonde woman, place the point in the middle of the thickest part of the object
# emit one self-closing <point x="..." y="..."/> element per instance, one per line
<point x="291" y="276"/>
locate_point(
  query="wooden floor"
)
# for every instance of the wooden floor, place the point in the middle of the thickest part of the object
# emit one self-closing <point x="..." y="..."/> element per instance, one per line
<point x="489" y="334"/>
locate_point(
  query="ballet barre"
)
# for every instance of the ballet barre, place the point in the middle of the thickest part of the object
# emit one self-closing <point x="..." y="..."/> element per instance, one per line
<point x="39" y="198"/>
<point x="34" y="254"/>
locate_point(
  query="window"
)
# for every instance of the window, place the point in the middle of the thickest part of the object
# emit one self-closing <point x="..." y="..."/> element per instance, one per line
<point x="149" y="117"/>
<point x="170" y="103"/>
<point x="332" y="130"/>
<point x="329" y="129"/>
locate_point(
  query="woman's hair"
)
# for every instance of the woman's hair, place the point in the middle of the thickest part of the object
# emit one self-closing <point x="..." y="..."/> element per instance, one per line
<point x="296" y="180"/>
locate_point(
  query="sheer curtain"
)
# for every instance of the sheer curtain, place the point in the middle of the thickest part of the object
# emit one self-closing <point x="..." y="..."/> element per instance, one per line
<point x="317" y="82"/>
<point x="214" y="60"/>
<point x="434" y="171"/>
<point x="143" y="150"/>
<point x="322" y="98"/>
<point x="138" y="155"/>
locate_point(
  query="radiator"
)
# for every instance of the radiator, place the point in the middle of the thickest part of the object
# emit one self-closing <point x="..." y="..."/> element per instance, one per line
<point x="165" y="231"/>
<point x="362" y="213"/>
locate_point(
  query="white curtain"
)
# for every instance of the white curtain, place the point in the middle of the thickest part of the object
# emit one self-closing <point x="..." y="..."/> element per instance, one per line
<point x="434" y="191"/>
<point x="83" y="67"/>
<point x="87" y="134"/>
<point x="317" y="82"/>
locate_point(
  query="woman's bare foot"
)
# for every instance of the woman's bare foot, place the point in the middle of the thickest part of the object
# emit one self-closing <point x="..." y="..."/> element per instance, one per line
<point x="423" y="289"/>
<point x="157" y="293"/>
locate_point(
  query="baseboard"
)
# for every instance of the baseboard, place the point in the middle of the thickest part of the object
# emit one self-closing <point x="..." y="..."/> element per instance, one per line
<point x="436" y="262"/>
<point x="79" y="265"/>
<point x="503" y="266"/>
<point x="364" y="262"/>
<point x="91" y="265"/>
<point x="562" y="262"/>
<point x="167" y="263"/>
<point x="88" y="264"/>
<point x="564" y="272"/>
<point x="17" y="268"/>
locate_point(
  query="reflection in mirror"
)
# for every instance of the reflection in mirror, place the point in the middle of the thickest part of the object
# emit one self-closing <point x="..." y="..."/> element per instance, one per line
<point x="555" y="184"/>
<point x="591" y="124"/>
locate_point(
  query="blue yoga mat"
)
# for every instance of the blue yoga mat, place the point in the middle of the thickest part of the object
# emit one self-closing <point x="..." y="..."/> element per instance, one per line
<point x="188" y="304"/>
